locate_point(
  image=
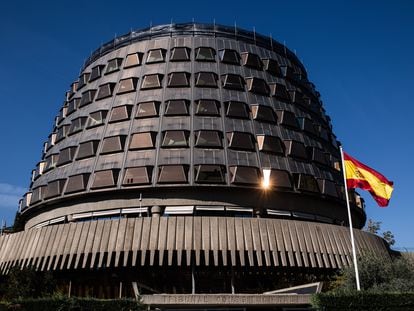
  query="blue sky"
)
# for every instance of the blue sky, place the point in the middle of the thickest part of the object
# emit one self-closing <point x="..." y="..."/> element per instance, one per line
<point x="358" y="53"/>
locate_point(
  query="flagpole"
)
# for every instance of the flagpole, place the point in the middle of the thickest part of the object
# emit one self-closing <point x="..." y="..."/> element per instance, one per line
<point x="350" y="222"/>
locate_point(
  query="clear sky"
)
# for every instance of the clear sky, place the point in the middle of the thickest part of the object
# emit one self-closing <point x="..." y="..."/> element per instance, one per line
<point x="358" y="53"/>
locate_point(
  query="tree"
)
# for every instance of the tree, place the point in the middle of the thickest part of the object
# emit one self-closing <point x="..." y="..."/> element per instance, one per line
<point x="389" y="237"/>
<point x="375" y="228"/>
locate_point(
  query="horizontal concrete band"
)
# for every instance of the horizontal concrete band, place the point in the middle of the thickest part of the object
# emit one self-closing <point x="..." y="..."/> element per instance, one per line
<point x="168" y="241"/>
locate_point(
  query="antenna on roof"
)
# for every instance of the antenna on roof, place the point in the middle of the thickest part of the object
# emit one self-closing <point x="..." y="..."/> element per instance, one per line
<point x="284" y="46"/>
<point x="235" y="30"/>
<point x="254" y="34"/>
<point x="271" y="41"/>
<point x="214" y="23"/>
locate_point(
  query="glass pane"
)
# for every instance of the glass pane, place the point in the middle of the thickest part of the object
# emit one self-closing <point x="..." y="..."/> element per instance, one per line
<point x="142" y="141"/>
<point x="230" y="57"/>
<point x="272" y="67"/>
<point x="62" y="132"/>
<point x="306" y="182"/>
<point x="96" y="72"/>
<point x="172" y="174"/>
<point x="151" y="81"/>
<point x="105" y="90"/>
<point x="104" y="179"/>
<point x="279" y="91"/>
<point x="77" y="125"/>
<point x="271" y="144"/>
<point x="66" y="155"/>
<point x="127" y="85"/>
<point x="251" y="60"/>
<point x="232" y="81"/>
<point x="209" y="174"/>
<point x="295" y="149"/>
<point x="113" y="65"/>
<point x="97" y="118"/>
<point x="54" y="188"/>
<point x="178" y="79"/>
<point x="176" y="107"/>
<point x="155" y="56"/>
<point x="206" y="79"/>
<point x="280" y="179"/>
<point x="133" y="60"/>
<point x="175" y="139"/>
<point x="207" y="107"/>
<point x="287" y="118"/>
<point x="77" y="183"/>
<point x="120" y="113"/>
<point x="137" y="176"/>
<point x="244" y="175"/>
<point x="147" y="109"/>
<point x="51" y="162"/>
<point x="113" y="144"/>
<point x="258" y="86"/>
<point x="263" y="113"/>
<point x="87" y="98"/>
<point x="180" y="54"/>
<point x="205" y="54"/>
<point x="83" y="80"/>
<point x="73" y="105"/>
<point x="87" y="149"/>
<point x="240" y="140"/>
<point x="237" y="110"/>
<point x="209" y="139"/>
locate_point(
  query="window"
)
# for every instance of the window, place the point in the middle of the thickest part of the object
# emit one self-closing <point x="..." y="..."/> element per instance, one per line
<point x="148" y="109"/>
<point x="177" y="107"/>
<point x="96" y="118"/>
<point x="232" y="82"/>
<point x="229" y="57"/>
<point x="263" y="113"/>
<point x="87" y="149"/>
<point x="299" y="98"/>
<point x="178" y="79"/>
<point x="251" y="60"/>
<point x="38" y="194"/>
<point x="211" y="174"/>
<point x="205" y="54"/>
<point x="151" y="81"/>
<point x="87" y="98"/>
<point x="306" y="182"/>
<point x="173" y="174"/>
<point x="83" y="80"/>
<point x="66" y="155"/>
<point x="96" y="72"/>
<point x="206" y="79"/>
<point x="104" y="179"/>
<point x="127" y="85"/>
<point x="73" y="105"/>
<point x="113" y="65"/>
<point x="279" y="91"/>
<point x="287" y="118"/>
<point x="77" y="125"/>
<point x="51" y="161"/>
<point x="295" y="149"/>
<point x="180" y="54"/>
<point x="175" y="139"/>
<point x="132" y="60"/>
<point x="113" y="144"/>
<point x="142" y="141"/>
<point x="317" y="155"/>
<point x="328" y="187"/>
<point x="271" y="144"/>
<point x="156" y="56"/>
<point x="208" y="139"/>
<point x="63" y="112"/>
<point x="77" y="183"/>
<point x="258" y="86"/>
<point x="51" y="141"/>
<point x="272" y="67"/>
<point x="62" y="132"/>
<point x="235" y="109"/>
<point x="280" y="179"/>
<point x="290" y="73"/>
<point x="137" y="176"/>
<point x="105" y="90"/>
<point x="207" y="107"/>
<point x="244" y="175"/>
<point x="120" y="113"/>
<point x="307" y="125"/>
<point x="54" y="188"/>
<point x="240" y="140"/>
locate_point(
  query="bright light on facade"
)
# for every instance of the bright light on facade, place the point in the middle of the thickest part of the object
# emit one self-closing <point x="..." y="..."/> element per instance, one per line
<point x="266" y="178"/>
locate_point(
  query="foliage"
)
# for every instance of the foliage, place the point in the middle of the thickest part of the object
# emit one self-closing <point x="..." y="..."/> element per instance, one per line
<point x="389" y="237"/>
<point x="375" y="228"/>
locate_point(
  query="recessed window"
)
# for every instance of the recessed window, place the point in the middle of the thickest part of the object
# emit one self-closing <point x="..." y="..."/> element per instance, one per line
<point x="244" y="175"/>
<point x="178" y="79"/>
<point x="120" y="113"/>
<point x="87" y="149"/>
<point x="295" y="149"/>
<point x="240" y="141"/>
<point x="52" y="140"/>
<point x="206" y="79"/>
<point x="251" y="60"/>
<point x="96" y="72"/>
<point x="236" y="109"/>
<point x="328" y="187"/>
<point x="175" y="139"/>
<point x="132" y="60"/>
<point x="105" y="179"/>
<point x="210" y="174"/>
<point x="38" y="194"/>
<point x="272" y="67"/>
<point x="176" y="107"/>
<point x="77" y="125"/>
<point x="105" y="90"/>
<point x="51" y="161"/>
<point x="279" y="91"/>
<point x="127" y="85"/>
<point x="317" y="155"/>
<point x="207" y="107"/>
<point x="300" y="99"/>
<point x="151" y="81"/>
<point x="96" y="118"/>
<point x="73" y="88"/>
<point x="232" y="82"/>
<point x="205" y="54"/>
<point x="142" y="141"/>
<point x="72" y="105"/>
<point x="77" y="183"/>
<point x="137" y="176"/>
<point x="156" y="56"/>
<point x="54" y="188"/>
<point x="287" y="118"/>
<point x="180" y="54"/>
<point x="307" y="125"/>
<point x="87" y="98"/>
<point x="258" y="86"/>
<point x="270" y="144"/>
<point x="229" y="57"/>
<point x="66" y="155"/>
<point x="290" y="73"/>
<point x="306" y="182"/>
<point x="263" y="113"/>
<point x="62" y="132"/>
<point x="63" y="112"/>
<point x="83" y="80"/>
<point x="280" y="179"/>
<point x="113" y="65"/>
<point x="173" y="174"/>
<point x="113" y="144"/>
<point x="148" y="109"/>
<point x="208" y="139"/>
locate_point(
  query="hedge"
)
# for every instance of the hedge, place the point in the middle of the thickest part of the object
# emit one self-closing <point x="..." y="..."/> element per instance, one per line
<point x="364" y="301"/>
<point x="71" y="304"/>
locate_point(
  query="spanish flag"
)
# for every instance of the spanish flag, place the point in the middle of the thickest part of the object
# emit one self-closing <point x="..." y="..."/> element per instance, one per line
<point x="359" y="175"/>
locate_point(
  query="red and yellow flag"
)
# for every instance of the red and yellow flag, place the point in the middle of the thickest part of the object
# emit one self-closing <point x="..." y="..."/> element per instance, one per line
<point x="359" y="175"/>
